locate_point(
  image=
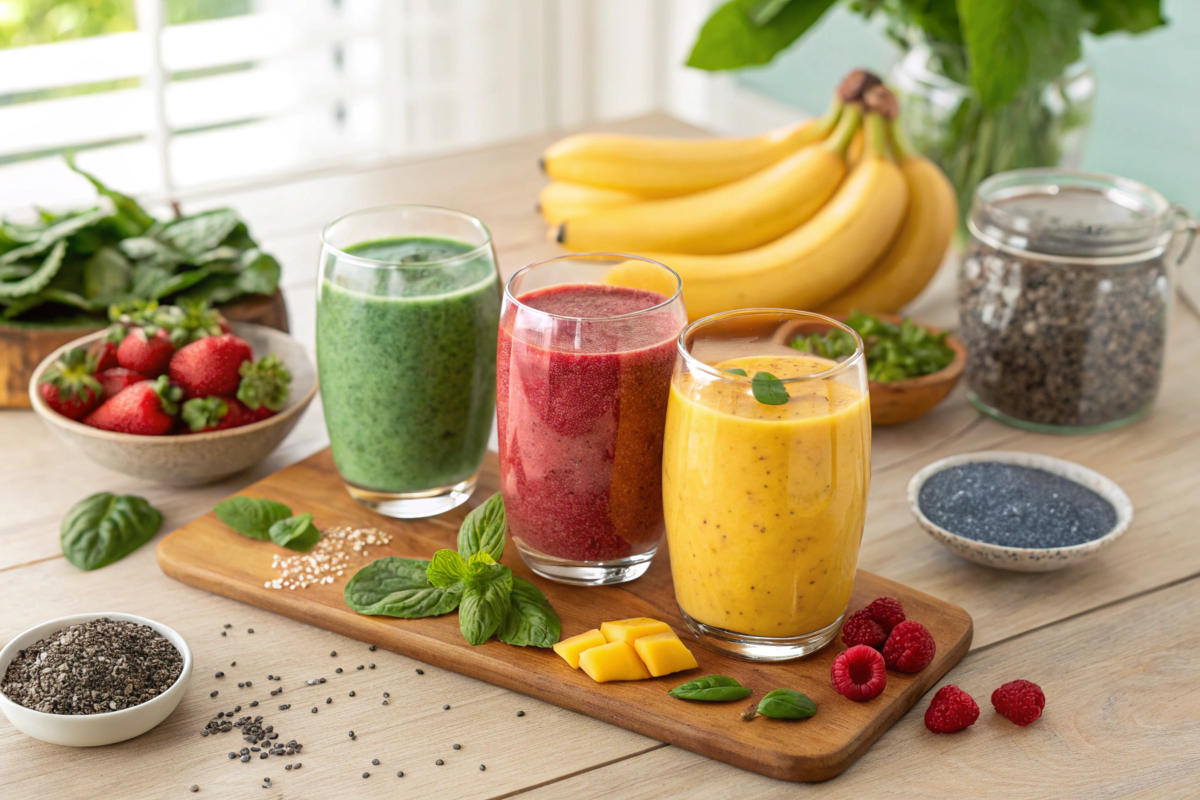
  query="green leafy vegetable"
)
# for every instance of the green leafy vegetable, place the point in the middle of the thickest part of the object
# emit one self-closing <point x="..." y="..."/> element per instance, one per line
<point x="398" y="587"/>
<point x="712" y="689"/>
<point x="486" y="598"/>
<point x="105" y="528"/>
<point x="738" y="371"/>
<point x="894" y="352"/>
<point x="36" y="280"/>
<point x="483" y="529"/>
<point x="748" y="32"/>
<point x="251" y="516"/>
<point x="786" y="704"/>
<point x="768" y="389"/>
<point x="295" y="533"/>
<point x="531" y="621"/>
<point x="447" y="569"/>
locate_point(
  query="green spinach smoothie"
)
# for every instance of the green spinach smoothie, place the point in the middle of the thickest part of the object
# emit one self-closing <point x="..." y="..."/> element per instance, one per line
<point x="406" y="350"/>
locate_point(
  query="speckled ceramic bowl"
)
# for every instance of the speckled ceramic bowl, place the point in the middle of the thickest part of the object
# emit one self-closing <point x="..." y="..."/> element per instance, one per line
<point x="1024" y="559"/>
<point x="93" y="730"/>
<point x="196" y="458"/>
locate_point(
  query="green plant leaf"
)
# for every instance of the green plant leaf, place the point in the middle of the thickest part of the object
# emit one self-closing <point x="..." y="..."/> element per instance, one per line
<point x="259" y="275"/>
<point x="711" y="689"/>
<point x="731" y="38"/>
<point x="1014" y="44"/>
<point x="105" y="528"/>
<point x="37" y="280"/>
<point x="483" y="529"/>
<point x="107" y="273"/>
<point x="198" y="233"/>
<point x="251" y="516"/>
<point x="398" y="587"/>
<point x="295" y="533"/>
<point x="1132" y="16"/>
<point x="768" y="389"/>
<point x="447" y="569"/>
<point x="738" y="371"/>
<point x="132" y="218"/>
<point x="786" y="704"/>
<point x="485" y="601"/>
<point x="54" y="234"/>
<point x="530" y="621"/>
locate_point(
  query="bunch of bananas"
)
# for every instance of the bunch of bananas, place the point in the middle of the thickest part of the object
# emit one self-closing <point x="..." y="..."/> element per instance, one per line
<point x="832" y="214"/>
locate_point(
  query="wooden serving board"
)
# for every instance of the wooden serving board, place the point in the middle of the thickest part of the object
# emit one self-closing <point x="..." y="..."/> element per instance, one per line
<point x="207" y="554"/>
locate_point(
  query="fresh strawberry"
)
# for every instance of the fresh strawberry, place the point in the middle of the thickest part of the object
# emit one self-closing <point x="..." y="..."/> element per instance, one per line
<point x="148" y="408"/>
<point x="148" y="355"/>
<point x="112" y="381"/>
<point x="210" y="366"/>
<point x="203" y="414"/>
<point x="104" y="352"/>
<point x="264" y="386"/>
<point x="68" y="386"/>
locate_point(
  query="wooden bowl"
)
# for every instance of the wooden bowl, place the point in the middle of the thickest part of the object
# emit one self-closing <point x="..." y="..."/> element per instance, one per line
<point x="900" y="401"/>
<point x="195" y="458"/>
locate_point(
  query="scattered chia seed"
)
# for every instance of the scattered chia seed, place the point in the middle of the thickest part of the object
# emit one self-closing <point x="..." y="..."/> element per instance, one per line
<point x="194" y="788"/>
<point x="285" y="706"/>
<point x="372" y="648"/>
<point x="338" y="670"/>
<point x="385" y="702"/>
<point x="250" y="630"/>
<point x="420" y="672"/>
<point x="245" y="759"/>
<point x="223" y="633"/>
<point x="242" y="685"/>
<point x="333" y="654"/>
<point x="366" y="774"/>
<point x="253" y="703"/>
<point x="298" y="765"/>
<point x="219" y="675"/>
<point x="314" y="709"/>
<point x="439" y="762"/>
<point x="233" y="663"/>
<point x="1015" y="506"/>
<point x="482" y="768"/>
<point x="370" y="666"/>
<point x="320" y="680"/>
<point x="351" y="734"/>
<point x="227" y="626"/>
<point x="328" y="700"/>
<point x="458" y="747"/>
<point x="360" y="666"/>
<point x="287" y="766"/>
<point x="352" y="694"/>
<point x="446" y="707"/>
<point x="375" y="762"/>
<point x="400" y="774"/>
<point x="213" y="693"/>
<point x="385" y="694"/>
<point x="520" y="713"/>
<point x="232" y="756"/>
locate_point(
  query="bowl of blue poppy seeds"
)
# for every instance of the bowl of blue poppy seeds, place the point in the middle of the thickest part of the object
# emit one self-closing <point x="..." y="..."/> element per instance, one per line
<point x="1019" y="511"/>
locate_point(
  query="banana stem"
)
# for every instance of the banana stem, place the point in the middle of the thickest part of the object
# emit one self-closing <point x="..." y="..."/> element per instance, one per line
<point x="847" y="126"/>
<point x="830" y="118"/>
<point x="875" y="136"/>
<point x="902" y="146"/>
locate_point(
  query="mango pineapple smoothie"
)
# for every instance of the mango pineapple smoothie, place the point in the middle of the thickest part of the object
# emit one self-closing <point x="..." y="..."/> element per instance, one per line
<point x="764" y="504"/>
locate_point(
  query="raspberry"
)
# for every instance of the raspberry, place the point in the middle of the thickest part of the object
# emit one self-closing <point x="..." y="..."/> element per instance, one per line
<point x="910" y="648"/>
<point x="859" y="628"/>
<point x="859" y="673"/>
<point x="887" y="612"/>
<point x="1020" y="701"/>
<point x="951" y="710"/>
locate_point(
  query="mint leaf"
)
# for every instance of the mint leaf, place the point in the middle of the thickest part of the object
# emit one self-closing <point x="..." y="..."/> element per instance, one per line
<point x="530" y="621"/>
<point x="738" y="371"/>
<point x="251" y="516"/>
<point x="105" y="528"/>
<point x="295" y="533"/>
<point x="398" y="587"/>
<point x="447" y="570"/>
<point x="712" y="689"/>
<point x="768" y="389"/>
<point x="485" y="600"/>
<point x="732" y="37"/>
<point x="483" y="529"/>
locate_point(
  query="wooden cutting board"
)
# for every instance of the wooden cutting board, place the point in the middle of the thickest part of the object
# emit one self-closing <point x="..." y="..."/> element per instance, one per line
<point x="207" y="554"/>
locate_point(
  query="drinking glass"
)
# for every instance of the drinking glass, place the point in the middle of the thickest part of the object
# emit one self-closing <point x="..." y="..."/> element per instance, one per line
<point x="587" y="344"/>
<point x="766" y="467"/>
<point x="408" y="303"/>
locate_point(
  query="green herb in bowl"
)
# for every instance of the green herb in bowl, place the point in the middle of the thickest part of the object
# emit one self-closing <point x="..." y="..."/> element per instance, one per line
<point x="895" y="352"/>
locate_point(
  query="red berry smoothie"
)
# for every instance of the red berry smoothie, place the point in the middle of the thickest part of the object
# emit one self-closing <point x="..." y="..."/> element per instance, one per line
<point x="582" y="405"/>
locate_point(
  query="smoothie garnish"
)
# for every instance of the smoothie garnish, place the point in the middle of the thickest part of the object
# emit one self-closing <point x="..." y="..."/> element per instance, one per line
<point x="711" y="688"/>
<point x="787" y="704"/>
<point x="104" y="528"/>
<point x="894" y="352"/>
<point x="768" y="389"/>
<point x="251" y="516"/>
<point x="738" y="371"/>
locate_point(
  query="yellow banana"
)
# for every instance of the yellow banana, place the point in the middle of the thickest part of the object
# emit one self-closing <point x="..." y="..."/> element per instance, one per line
<point x="913" y="259"/>
<point x="855" y="151"/>
<point x="560" y="201"/>
<point x="811" y="265"/>
<point x="658" y="167"/>
<point x="725" y="219"/>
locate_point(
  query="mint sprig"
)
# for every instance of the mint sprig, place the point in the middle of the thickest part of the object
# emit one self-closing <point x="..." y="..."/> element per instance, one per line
<point x="768" y="389"/>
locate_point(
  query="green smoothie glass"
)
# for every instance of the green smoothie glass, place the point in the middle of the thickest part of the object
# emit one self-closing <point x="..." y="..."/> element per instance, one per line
<point x="408" y="306"/>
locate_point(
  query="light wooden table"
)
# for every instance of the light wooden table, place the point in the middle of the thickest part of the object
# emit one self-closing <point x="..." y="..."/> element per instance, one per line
<point x="1115" y="643"/>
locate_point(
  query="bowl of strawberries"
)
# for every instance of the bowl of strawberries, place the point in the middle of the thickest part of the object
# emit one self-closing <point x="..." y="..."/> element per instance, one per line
<point x="176" y="394"/>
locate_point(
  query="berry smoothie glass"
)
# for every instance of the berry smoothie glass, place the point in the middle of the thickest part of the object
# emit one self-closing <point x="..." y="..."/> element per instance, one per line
<point x="583" y="373"/>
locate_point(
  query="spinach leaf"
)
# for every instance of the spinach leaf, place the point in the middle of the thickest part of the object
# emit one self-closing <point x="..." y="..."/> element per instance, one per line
<point x="131" y="218"/>
<point x="198" y="233"/>
<point x="398" y="587"/>
<point x="107" y="273"/>
<point x="295" y="533"/>
<point x="712" y="689"/>
<point x="251" y="516"/>
<point x="748" y="32"/>
<point x="530" y="621"/>
<point x="105" y="528"/>
<point x="447" y="569"/>
<point x="259" y="274"/>
<point x="786" y="704"/>
<point x="485" y="600"/>
<point x="483" y="529"/>
<point x="37" y="280"/>
<point x="54" y="234"/>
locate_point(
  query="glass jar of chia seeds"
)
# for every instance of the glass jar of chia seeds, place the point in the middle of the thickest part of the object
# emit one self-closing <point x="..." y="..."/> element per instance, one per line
<point x="1064" y="296"/>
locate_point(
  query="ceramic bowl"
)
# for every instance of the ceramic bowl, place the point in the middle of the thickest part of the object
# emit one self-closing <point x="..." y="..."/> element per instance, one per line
<point x="196" y="458"/>
<point x="900" y="401"/>
<point x="92" y="730"/>
<point x="1024" y="559"/>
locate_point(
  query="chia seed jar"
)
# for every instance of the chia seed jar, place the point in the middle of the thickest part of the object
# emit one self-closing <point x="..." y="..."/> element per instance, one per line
<point x="1064" y="296"/>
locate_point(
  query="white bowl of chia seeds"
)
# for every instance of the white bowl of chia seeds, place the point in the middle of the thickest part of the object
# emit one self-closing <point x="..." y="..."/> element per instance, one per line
<point x="122" y="674"/>
<point x="1018" y="511"/>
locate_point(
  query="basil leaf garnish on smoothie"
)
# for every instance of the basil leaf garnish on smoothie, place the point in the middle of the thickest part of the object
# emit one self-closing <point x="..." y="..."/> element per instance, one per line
<point x="768" y="389"/>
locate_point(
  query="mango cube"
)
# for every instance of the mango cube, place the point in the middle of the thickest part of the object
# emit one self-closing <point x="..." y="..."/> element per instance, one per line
<point x="615" y="661"/>
<point x="627" y="630"/>
<point x="663" y="653"/>
<point x="570" y="649"/>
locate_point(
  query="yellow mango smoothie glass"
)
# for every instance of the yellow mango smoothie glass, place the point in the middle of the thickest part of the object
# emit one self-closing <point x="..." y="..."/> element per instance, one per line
<point x="766" y="467"/>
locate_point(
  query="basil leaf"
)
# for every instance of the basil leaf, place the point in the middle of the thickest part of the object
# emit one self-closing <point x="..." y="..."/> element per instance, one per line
<point x="738" y="371"/>
<point x="447" y="570"/>
<point x="732" y="37"/>
<point x="295" y="533"/>
<point x="712" y="689"/>
<point x="251" y="516"/>
<point x="105" y="528"/>
<point x="531" y="621"/>
<point x="398" y="587"/>
<point x="483" y="529"/>
<point x="768" y="389"/>
<point x="485" y="601"/>
<point x="786" y="704"/>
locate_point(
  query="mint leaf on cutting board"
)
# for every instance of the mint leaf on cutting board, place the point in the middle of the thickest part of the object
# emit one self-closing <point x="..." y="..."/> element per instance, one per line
<point x="295" y="533"/>
<point x="251" y="516"/>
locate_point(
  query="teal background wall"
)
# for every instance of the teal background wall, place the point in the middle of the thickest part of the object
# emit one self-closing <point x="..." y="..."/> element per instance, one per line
<point x="1147" y="118"/>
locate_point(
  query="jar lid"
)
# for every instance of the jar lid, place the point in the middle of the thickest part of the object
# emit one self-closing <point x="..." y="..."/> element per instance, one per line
<point x="1063" y="213"/>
